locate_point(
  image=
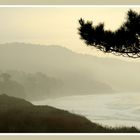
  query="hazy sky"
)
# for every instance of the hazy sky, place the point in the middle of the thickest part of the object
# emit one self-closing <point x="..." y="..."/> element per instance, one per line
<point x="56" y="26"/>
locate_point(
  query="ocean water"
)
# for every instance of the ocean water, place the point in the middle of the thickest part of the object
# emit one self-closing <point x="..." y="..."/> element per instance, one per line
<point x="119" y="109"/>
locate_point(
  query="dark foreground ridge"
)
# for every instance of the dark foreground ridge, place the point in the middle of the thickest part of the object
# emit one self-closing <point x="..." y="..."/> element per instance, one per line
<point x="20" y="116"/>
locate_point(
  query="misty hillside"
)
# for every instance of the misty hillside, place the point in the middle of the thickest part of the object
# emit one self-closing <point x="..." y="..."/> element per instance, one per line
<point x="20" y="116"/>
<point x="31" y="86"/>
<point x="49" y="71"/>
<point x="72" y="73"/>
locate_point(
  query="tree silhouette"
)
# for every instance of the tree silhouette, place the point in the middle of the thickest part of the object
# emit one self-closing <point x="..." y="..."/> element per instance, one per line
<point x="124" y="41"/>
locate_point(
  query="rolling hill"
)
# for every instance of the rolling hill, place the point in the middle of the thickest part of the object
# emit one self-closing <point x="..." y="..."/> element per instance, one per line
<point x="20" y="116"/>
<point x="72" y="73"/>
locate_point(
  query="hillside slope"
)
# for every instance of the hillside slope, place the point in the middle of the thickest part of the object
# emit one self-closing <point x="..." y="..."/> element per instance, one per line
<point x="66" y="72"/>
<point x="20" y="116"/>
